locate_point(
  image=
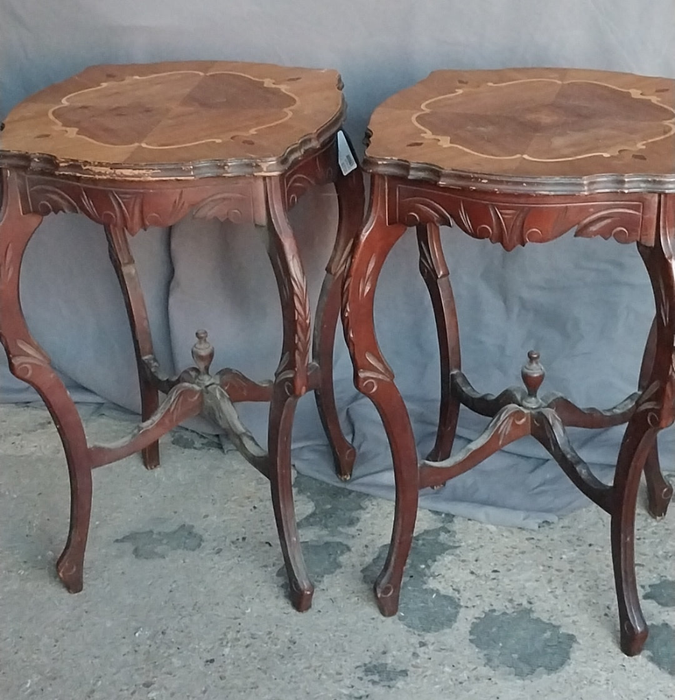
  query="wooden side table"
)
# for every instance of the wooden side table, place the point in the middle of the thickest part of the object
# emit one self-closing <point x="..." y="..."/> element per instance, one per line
<point x="141" y="145"/>
<point x="516" y="157"/>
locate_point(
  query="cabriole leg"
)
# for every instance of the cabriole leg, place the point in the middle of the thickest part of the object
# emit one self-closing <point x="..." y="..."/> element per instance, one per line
<point x="654" y="411"/>
<point x="435" y="273"/>
<point x="125" y="268"/>
<point x="638" y="440"/>
<point x="29" y="362"/>
<point x="374" y="378"/>
<point x="350" y="195"/>
<point x="290" y="383"/>
<point x="659" y="490"/>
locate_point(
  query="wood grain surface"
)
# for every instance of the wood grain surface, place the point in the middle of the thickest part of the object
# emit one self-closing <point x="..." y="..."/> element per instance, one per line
<point x="163" y="120"/>
<point x="552" y="129"/>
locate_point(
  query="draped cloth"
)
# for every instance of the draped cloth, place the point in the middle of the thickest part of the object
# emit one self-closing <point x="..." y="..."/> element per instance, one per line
<point x="585" y="305"/>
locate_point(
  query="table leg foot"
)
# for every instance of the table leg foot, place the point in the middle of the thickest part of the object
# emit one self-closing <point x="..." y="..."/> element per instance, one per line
<point x="70" y="565"/>
<point x="281" y="424"/>
<point x="301" y="599"/>
<point x="150" y="456"/>
<point x="633" y="638"/>
<point x="637" y="443"/>
<point x="387" y="596"/>
<point x="69" y="568"/>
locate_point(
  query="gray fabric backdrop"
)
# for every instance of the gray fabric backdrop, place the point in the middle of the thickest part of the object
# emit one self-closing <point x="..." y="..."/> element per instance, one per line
<point x="586" y="305"/>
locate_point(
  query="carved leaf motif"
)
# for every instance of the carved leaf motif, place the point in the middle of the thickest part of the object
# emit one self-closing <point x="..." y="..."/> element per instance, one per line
<point x="653" y="419"/>
<point x="420" y="209"/>
<point x="297" y="185"/>
<point x="534" y="235"/>
<point x="512" y="223"/>
<point x="300" y="310"/>
<point x="507" y="227"/>
<point x="178" y="208"/>
<point x="130" y="210"/>
<point x="349" y="328"/>
<point x="595" y="225"/>
<point x="221" y="206"/>
<point x="369" y="380"/>
<point x="7" y="270"/>
<point x="285" y="373"/>
<point x="284" y="376"/>
<point x="347" y="312"/>
<point x="88" y="207"/>
<point x="464" y="219"/>
<point x="36" y="354"/>
<point x="343" y="257"/>
<point x="504" y="429"/>
<point x="517" y="416"/>
<point x="236" y="379"/>
<point x="518" y="220"/>
<point x="46" y="199"/>
<point x="499" y="233"/>
<point x="367" y="281"/>
<point x="379" y="365"/>
<point x="24" y="364"/>
<point x="610" y="224"/>
<point x="285" y="289"/>
<point x="504" y="225"/>
<point x="219" y="407"/>
<point x="643" y="403"/>
<point x="181" y="393"/>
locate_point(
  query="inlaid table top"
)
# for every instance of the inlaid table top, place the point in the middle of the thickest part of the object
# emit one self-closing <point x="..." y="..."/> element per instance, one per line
<point x="164" y="120"/>
<point x="556" y="129"/>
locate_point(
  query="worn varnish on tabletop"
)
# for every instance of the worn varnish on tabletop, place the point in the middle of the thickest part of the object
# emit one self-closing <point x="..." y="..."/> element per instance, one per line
<point x="149" y="121"/>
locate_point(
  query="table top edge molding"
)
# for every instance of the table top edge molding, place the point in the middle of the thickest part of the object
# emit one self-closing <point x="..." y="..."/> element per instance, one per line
<point x="630" y="183"/>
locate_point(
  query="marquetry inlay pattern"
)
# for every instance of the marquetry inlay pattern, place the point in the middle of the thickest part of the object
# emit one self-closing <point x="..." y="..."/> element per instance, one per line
<point x="570" y="130"/>
<point x="566" y="117"/>
<point x="160" y="121"/>
<point x="152" y="124"/>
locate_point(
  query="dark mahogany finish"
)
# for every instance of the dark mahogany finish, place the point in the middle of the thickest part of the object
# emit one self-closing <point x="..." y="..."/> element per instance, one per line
<point x="141" y="145"/>
<point x="521" y="156"/>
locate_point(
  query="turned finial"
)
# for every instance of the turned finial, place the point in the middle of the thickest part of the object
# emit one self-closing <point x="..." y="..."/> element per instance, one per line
<point x="202" y="352"/>
<point x="533" y="375"/>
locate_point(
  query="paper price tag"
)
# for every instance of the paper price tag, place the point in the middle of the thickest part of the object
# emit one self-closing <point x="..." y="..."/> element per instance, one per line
<point x="346" y="158"/>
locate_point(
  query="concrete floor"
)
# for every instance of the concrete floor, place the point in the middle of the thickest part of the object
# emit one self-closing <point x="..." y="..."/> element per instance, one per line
<point x="184" y="597"/>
